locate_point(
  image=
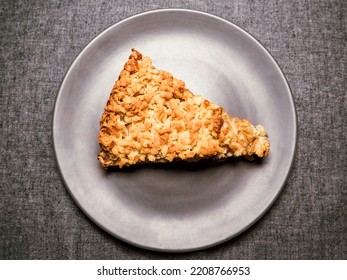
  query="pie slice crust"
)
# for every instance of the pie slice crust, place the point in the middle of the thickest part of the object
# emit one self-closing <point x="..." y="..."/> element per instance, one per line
<point x="151" y="116"/>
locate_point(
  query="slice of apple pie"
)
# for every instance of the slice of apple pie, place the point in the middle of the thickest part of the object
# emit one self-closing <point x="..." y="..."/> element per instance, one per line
<point x="151" y="116"/>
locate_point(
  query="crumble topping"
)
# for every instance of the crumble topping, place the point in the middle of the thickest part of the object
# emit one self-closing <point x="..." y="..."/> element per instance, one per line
<point x="152" y="117"/>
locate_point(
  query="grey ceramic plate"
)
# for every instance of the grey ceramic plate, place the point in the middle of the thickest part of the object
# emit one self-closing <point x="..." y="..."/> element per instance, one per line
<point x="176" y="208"/>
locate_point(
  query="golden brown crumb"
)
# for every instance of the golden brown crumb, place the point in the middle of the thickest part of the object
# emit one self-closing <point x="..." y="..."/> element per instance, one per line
<point x="152" y="117"/>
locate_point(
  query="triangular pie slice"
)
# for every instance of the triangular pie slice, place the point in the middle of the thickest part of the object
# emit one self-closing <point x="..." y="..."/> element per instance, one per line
<point x="152" y="117"/>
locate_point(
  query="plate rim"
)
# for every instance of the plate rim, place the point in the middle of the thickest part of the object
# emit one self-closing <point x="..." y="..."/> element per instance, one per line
<point x="202" y="13"/>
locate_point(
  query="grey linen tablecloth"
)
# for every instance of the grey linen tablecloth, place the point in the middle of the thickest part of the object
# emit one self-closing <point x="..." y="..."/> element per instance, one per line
<point x="39" y="41"/>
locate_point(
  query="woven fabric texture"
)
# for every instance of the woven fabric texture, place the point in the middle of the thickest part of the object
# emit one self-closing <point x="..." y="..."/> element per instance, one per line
<point x="39" y="41"/>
